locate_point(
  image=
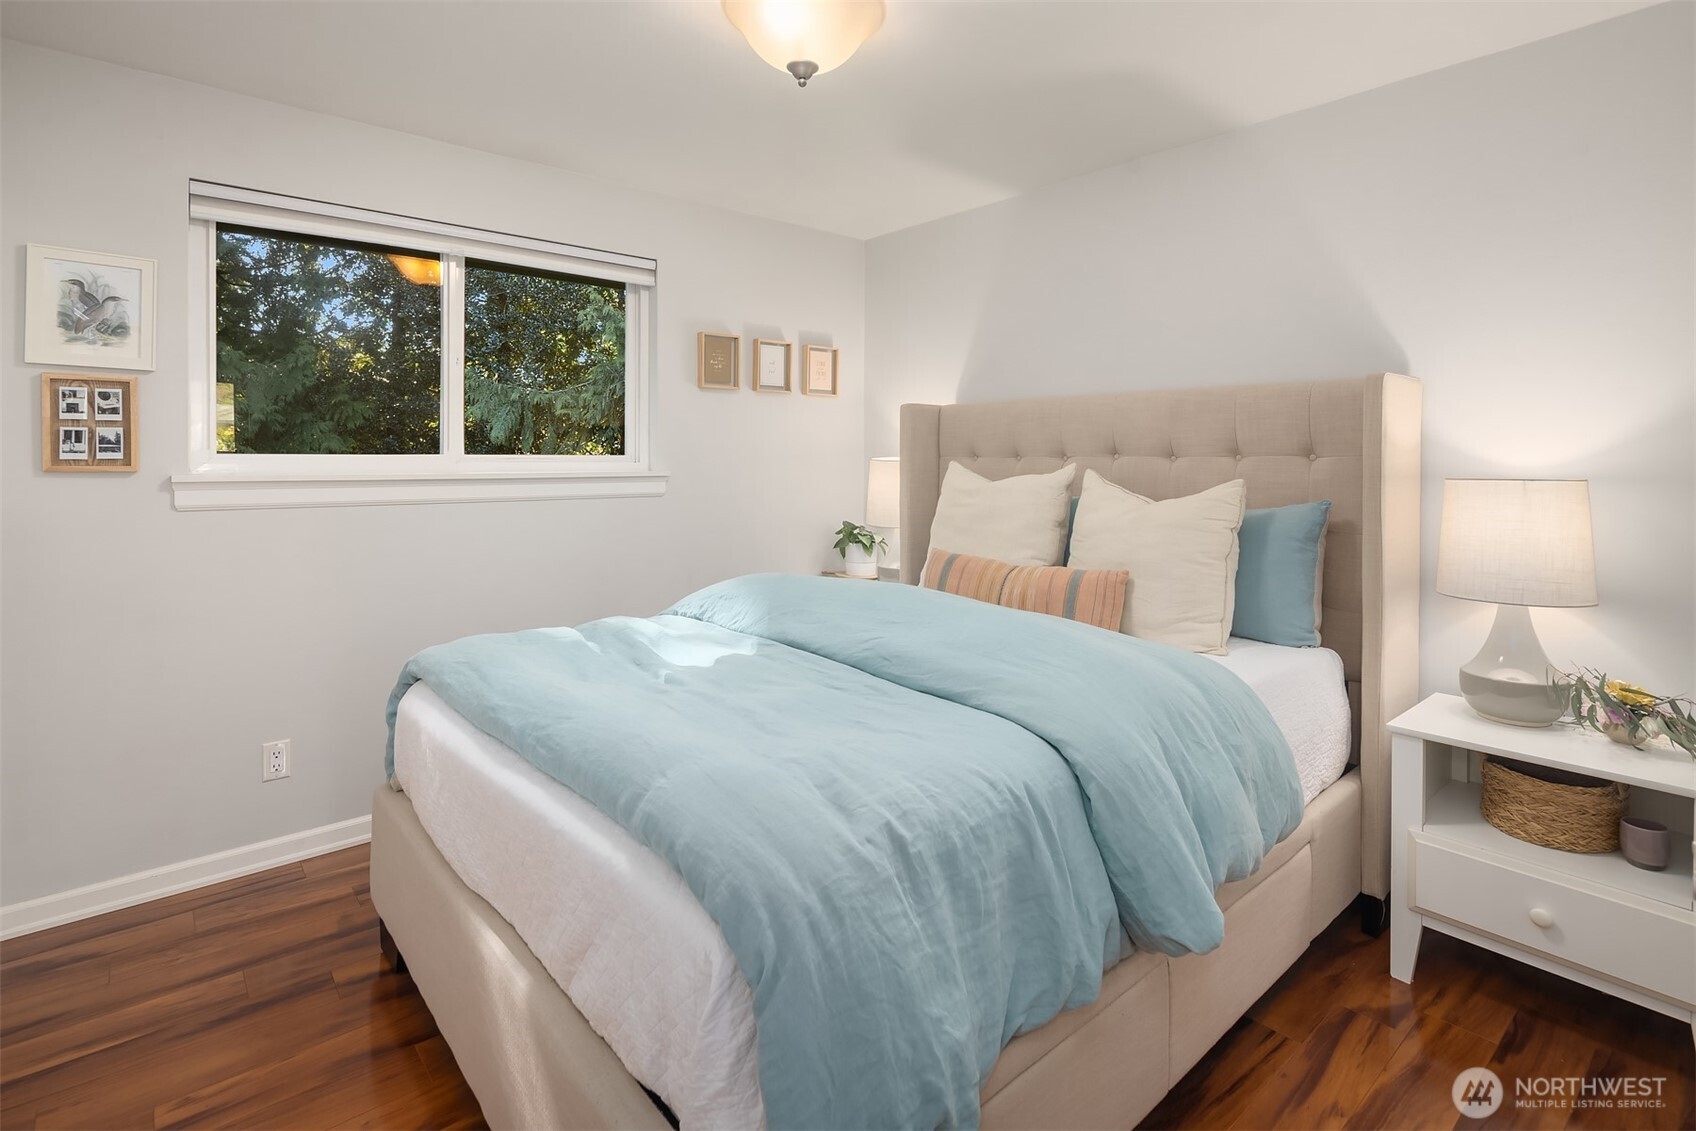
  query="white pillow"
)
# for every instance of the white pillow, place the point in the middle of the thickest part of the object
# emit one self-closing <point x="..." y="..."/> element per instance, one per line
<point x="1182" y="554"/>
<point x="1020" y="520"/>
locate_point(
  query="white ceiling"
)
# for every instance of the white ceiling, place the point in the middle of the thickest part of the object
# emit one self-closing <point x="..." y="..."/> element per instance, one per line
<point x="953" y="104"/>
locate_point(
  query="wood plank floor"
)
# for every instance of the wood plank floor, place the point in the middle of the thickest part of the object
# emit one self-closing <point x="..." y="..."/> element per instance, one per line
<point x="1338" y="1043"/>
<point x="261" y="1003"/>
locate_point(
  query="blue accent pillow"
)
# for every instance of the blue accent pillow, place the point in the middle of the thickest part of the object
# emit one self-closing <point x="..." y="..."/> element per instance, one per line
<point x="1278" y="574"/>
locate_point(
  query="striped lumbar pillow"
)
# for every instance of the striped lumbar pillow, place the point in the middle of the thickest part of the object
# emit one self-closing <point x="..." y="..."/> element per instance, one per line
<point x="1091" y="596"/>
<point x="966" y="575"/>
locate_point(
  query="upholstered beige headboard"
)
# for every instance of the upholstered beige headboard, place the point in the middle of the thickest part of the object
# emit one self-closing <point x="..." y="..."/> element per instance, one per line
<point x="1354" y="442"/>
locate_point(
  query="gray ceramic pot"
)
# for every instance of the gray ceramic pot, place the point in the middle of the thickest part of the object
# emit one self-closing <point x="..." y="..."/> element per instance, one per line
<point x="1645" y="843"/>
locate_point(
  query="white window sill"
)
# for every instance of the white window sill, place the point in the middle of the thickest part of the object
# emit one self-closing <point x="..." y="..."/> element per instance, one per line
<point x="210" y="491"/>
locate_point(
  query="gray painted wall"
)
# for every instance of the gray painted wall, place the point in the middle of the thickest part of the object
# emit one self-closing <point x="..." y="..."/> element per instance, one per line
<point x="148" y="653"/>
<point x="1516" y="231"/>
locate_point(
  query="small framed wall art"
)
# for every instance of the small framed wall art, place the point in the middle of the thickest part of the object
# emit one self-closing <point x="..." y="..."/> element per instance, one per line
<point x="87" y="422"/>
<point x="820" y="371"/>
<point x="773" y="366"/>
<point x="718" y="360"/>
<point x="88" y="308"/>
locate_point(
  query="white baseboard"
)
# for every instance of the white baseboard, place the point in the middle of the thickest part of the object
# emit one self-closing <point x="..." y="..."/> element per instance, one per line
<point x="127" y="891"/>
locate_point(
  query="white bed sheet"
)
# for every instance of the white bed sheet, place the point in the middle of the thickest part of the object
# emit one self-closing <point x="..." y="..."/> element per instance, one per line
<point x="618" y="929"/>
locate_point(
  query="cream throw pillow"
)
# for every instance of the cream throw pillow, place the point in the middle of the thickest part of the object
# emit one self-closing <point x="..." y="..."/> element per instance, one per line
<point x="1182" y="554"/>
<point x="1020" y="520"/>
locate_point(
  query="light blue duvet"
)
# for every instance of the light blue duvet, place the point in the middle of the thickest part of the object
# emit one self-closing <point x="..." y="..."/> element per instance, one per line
<point x="923" y="823"/>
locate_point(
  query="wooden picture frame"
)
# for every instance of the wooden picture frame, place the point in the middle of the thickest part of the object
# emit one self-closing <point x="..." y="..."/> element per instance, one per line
<point x="718" y="361"/>
<point x="821" y="371"/>
<point x="88" y="422"/>
<point x="773" y="360"/>
<point x="88" y="308"/>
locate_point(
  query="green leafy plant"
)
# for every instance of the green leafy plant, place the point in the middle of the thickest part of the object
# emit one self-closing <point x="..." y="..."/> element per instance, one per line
<point x="853" y="534"/>
<point x="1627" y="712"/>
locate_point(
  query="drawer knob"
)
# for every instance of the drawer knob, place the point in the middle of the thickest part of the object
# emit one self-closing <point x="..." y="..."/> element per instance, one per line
<point x="1541" y="917"/>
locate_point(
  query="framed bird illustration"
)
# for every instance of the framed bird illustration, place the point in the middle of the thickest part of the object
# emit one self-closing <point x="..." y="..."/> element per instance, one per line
<point x="88" y="308"/>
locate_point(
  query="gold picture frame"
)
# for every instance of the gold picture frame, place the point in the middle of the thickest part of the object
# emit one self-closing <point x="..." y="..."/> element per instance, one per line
<point x="773" y="360"/>
<point x="718" y="361"/>
<point x="88" y="422"/>
<point x="821" y="371"/>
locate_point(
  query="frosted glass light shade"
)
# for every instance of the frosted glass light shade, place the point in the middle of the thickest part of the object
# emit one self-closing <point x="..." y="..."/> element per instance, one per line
<point x="1517" y="542"/>
<point x="825" y="33"/>
<point x="426" y="271"/>
<point x="883" y="492"/>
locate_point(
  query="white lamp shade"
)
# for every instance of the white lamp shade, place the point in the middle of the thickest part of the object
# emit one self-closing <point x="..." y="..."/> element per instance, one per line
<point x="883" y="492"/>
<point x="824" y="32"/>
<point x="1517" y="542"/>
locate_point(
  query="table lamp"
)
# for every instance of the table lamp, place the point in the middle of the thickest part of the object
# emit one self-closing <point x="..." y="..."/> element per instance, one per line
<point x="883" y="493"/>
<point x="1520" y="543"/>
<point x="883" y="500"/>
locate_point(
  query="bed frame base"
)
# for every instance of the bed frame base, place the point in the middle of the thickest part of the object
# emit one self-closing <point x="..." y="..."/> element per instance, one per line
<point x="534" y="1061"/>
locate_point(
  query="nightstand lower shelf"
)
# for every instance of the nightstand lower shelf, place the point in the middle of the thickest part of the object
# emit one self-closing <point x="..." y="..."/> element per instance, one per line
<point x="1454" y="814"/>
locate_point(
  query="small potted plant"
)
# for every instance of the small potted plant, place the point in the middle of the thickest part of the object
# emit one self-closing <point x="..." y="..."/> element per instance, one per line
<point x="1628" y="714"/>
<point x="858" y="547"/>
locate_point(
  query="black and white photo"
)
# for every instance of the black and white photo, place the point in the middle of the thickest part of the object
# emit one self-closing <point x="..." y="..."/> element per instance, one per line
<point x="108" y="443"/>
<point x="73" y="443"/>
<point x="108" y="404"/>
<point x="73" y="402"/>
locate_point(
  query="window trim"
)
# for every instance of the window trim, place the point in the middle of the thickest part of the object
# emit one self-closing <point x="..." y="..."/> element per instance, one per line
<point x="221" y="481"/>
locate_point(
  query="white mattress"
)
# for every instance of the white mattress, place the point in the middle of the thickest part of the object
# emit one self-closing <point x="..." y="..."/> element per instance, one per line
<point x="1303" y="690"/>
<point x="621" y="933"/>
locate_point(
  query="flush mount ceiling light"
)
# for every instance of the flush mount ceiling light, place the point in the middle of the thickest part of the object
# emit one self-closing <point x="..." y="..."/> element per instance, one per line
<point x="805" y="37"/>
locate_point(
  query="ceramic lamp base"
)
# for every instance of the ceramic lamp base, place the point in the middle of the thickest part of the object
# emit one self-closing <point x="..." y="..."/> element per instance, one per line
<point x="1511" y="680"/>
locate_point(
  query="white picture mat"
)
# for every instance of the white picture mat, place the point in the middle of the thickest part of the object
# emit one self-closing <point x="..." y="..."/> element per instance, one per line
<point x="771" y="365"/>
<point x="47" y="280"/>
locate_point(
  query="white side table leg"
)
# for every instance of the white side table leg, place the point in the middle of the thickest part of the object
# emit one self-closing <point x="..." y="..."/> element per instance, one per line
<point x="1412" y="762"/>
<point x="1405" y="928"/>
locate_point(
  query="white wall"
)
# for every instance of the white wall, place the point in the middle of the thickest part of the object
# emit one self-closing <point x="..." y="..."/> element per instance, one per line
<point x="1516" y="231"/>
<point x="148" y="653"/>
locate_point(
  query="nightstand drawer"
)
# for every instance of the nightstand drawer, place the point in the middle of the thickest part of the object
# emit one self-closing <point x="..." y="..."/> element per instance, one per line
<point x="1634" y="941"/>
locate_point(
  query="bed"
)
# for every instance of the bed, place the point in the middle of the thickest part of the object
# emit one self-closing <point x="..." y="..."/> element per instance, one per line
<point x="525" y="1045"/>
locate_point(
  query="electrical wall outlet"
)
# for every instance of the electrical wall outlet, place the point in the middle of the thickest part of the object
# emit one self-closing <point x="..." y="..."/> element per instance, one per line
<point x="274" y="760"/>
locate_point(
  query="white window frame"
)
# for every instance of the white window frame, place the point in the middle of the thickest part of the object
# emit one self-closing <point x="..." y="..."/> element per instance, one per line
<point x="224" y="480"/>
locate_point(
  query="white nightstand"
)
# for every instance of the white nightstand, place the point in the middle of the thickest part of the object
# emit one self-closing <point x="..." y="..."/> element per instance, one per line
<point x="1594" y="919"/>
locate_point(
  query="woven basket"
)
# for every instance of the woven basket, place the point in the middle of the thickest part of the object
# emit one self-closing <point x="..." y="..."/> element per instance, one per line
<point x="1572" y="812"/>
